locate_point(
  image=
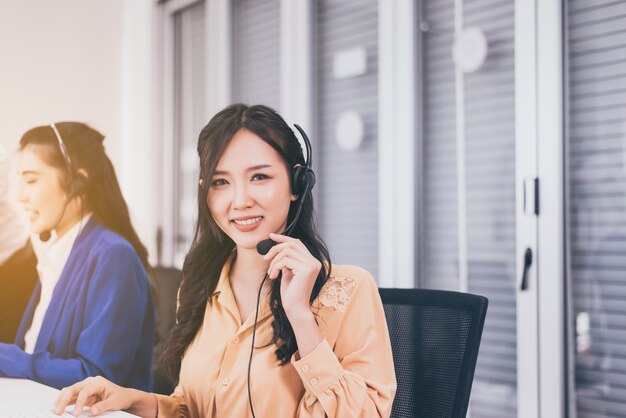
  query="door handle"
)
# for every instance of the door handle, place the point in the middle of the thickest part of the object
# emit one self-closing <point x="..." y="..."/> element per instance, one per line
<point x="528" y="261"/>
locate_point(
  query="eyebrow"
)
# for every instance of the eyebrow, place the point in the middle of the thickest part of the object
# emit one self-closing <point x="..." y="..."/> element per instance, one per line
<point x="29" y="172"/>
<point x="253" y="168"/>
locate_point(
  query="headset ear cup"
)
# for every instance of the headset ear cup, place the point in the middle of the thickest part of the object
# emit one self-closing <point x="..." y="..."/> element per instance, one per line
<point x="298" y="180"/>
<point x="302" y="180"/>
<point x="310" y="179"/>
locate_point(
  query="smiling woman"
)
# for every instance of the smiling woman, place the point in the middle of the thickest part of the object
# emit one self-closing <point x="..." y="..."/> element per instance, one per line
<point x="91" y="312"/>
<point x="322" y="346"/>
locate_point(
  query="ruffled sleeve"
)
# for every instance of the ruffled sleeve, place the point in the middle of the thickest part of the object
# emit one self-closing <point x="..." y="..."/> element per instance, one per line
<point x="356" y="377"/>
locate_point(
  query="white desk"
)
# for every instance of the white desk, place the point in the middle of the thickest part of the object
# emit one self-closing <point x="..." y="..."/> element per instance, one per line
<point x="20" y="397"/>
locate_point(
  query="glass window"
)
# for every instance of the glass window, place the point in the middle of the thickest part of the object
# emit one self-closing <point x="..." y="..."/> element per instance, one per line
<point x="256" y="52"/>
<point x="189" y="119"/>
<point x="348" y="190"/>
<point x="468" y="182"/>
<point x="596" y="203"/>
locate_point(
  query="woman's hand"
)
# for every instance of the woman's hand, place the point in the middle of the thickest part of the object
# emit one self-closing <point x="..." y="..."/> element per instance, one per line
<point x="299" y="272"/>
<point x="100" y="396"/>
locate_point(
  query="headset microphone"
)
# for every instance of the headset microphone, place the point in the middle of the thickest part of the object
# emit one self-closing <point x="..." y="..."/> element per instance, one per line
<point x="264" y="247"/>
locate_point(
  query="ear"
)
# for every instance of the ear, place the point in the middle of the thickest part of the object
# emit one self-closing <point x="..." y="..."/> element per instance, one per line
<point x="82" y="173"/>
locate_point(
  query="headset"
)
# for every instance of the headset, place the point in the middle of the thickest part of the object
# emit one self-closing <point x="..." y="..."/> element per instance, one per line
<point x="77" y="184"/>
<point x="302" y="182"/>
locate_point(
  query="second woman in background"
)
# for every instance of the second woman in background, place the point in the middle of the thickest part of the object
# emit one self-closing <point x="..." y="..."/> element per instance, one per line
<point x="92" y="312"/>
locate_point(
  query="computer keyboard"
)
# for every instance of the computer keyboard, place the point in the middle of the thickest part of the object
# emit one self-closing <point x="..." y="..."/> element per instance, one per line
<point x="31" y="414"/>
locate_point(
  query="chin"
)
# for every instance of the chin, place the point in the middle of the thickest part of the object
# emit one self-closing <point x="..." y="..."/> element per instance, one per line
<point x="38" y="229"/>
<point x="247" y="245"/>
<point x="39" y="226"/>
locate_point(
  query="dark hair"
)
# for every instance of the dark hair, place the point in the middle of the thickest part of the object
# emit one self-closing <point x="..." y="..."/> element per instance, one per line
<point x="100" y="191"/>
<point x="211" y="247"/>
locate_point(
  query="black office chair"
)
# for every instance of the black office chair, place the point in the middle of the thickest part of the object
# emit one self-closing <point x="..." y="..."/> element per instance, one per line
<point x="167" y="281"/>
<point x="435" y="337"/>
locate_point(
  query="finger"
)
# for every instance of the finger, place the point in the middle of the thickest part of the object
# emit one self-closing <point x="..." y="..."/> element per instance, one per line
<point x="280" y="237"/>
<point x="275" y="250"/>
<point x="291" y="253"/>
<point x="284" y="263"/>
<point x="91" y="400"/>
<point x="288" y="252"/>
<point x="66" y="397"/>
<point x="292" y="243"/>
<point x="104" y="405"/>
<point x="286" y="239"/>
<point x="300" y="263"/>
<point x="83" y="398"/>
<point x="287" y="275"/>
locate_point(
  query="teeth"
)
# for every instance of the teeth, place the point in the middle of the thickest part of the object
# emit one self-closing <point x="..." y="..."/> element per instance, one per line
<point x="248" y="221"/>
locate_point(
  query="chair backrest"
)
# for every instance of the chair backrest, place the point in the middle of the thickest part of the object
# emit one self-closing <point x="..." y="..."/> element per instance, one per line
<point x="435" y="337"/>
<point x="167" y="281"/>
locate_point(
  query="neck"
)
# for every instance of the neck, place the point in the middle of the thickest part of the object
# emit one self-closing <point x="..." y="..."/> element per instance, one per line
<point x="249" y="266"/>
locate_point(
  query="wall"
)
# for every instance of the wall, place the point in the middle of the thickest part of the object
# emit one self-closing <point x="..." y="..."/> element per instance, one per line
<point x="83" y="60"/>
<point x="61" y="60"/>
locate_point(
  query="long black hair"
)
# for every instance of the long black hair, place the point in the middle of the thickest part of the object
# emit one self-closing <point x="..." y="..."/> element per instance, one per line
<point x="100" y="192"/>
<point x="211" y="247"/>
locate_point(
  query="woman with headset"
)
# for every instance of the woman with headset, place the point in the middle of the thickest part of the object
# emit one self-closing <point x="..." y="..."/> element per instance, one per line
<point x="92" y="311"/>
<point x="285" y="334"/>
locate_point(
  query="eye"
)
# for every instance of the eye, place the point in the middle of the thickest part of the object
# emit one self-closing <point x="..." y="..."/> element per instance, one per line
<point x="259" y="177"/>
<point x="218" y="182"/>
<point x="29" y="180"/>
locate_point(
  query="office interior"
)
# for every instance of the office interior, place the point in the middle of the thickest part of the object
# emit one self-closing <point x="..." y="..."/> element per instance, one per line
<point x="450" y="139"/>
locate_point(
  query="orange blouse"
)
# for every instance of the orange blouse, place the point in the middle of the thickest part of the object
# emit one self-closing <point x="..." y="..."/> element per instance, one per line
<point x="349" y="374"/>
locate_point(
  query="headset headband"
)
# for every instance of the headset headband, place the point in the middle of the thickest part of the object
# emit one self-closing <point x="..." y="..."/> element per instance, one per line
<point x="307" y="143"/>
<point x="63" y="148"/>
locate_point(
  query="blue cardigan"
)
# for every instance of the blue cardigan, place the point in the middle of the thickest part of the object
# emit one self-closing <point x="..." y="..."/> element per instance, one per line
<point x="101" y="319"/>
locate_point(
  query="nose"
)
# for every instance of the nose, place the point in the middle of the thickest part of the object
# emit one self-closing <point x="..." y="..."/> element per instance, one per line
<point x="22" y="197"/>
<point x="242" y="198"/>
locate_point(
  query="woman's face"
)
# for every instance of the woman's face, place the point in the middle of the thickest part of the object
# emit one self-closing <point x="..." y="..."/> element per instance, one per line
<point x="249" y="195"/>
<point x="41" y="193"/>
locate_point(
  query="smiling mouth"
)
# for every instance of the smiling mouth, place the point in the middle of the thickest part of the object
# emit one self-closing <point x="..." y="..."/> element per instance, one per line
<point x="249" y="221"/>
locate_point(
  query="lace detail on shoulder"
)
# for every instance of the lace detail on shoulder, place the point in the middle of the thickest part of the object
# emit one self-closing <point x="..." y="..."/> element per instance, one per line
<point x="336" y="292"/>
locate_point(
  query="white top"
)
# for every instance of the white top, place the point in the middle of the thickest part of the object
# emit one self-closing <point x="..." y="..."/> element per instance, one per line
<point x="52" y="257"/>
<point x="13" y="231"/>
